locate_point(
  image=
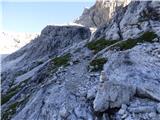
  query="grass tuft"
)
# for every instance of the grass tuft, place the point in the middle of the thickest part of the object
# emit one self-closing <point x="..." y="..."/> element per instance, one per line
<point x="130" y="43"/>
<point x="99" y="45"/>
<point x="62" y="60"/>
<point x="97" y="64"/>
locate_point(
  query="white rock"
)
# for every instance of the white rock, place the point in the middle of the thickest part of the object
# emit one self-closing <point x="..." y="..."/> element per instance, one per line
<point x="92" y="93"/>
<point x="63" y="112"/>
<point x="112" y="95"/>
<point x="152" y="115"/>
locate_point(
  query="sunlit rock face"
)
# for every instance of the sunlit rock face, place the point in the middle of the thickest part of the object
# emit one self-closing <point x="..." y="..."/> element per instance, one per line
<point x="100" y="13"/>
<point x="131" y="21"/>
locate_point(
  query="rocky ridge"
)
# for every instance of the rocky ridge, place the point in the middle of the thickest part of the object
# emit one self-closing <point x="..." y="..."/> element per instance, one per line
<point x="68" y="74"/>
<point x="100" y="13"/>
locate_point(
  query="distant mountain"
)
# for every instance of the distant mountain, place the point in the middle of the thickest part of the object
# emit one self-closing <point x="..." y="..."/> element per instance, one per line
<point x="10" y="42"/>
<point x="100" y="13"/>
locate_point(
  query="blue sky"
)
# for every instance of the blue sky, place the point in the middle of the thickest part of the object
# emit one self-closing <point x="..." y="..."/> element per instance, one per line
<point x="27" y="16"/>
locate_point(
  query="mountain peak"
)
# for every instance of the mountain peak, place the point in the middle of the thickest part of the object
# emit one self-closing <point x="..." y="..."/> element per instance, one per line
<point x="100" y="13"/>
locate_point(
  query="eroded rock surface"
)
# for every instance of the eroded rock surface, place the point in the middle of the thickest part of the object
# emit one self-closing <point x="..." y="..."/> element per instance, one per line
<point x="100" y="13"/>
<point x="131" y="21"/>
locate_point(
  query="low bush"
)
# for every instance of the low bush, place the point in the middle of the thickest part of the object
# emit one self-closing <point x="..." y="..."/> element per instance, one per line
<point x="62" y="60"/>
<point x="97" y="64"/>
<point x="99" y="45"/>
<point x="130" y="43"/>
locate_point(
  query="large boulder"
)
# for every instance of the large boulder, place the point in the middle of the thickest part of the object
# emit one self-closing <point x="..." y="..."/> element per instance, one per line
<point x="134" y="72"/>
<point x="112" y="95"/>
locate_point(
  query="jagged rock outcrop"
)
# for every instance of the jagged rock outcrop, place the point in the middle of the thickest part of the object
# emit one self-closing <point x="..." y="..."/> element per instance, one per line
<point x="52" y="42"/>
<point x="130" y="74"/>
<point x="129" y="22"/>
<point x="100" y="13"/>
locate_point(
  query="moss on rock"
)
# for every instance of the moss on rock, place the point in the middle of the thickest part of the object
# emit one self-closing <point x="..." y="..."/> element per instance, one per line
<point x="130" y="43"/>
<point x="100" y="44"/>
<point x="62" y="60"/>
<point x="97" y="64"/>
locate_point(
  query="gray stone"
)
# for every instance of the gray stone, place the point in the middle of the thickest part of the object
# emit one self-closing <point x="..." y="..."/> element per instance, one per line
<point x="128" y="73"/>
<point x="158" y="108"/>
<point x="111" y="95"/>
<point x="121" y="112"/>
<point x="124" y="116"/>
<point x="142" y="109"/>
<point x="63" y="112"/>
<point x="152" y="115"/>
<point x="92" y="93"/>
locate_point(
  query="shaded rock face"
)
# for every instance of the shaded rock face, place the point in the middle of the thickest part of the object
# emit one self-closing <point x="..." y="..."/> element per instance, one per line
<point x="52" y="41"/>
<point x="100" y="13"/>
<point x="132" y="20"/>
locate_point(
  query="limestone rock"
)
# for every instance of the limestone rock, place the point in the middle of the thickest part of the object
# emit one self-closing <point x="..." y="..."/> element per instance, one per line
<point x="63" y="112"/>
<point x="145" y="17"/>
<point x="112" y="95"/>
<point x="100" y="13"/>
<point x="92" y="93"/>
<point x="158" y="108"/>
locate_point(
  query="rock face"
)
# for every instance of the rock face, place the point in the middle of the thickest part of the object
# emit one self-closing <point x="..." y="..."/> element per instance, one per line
<point x="136" y="73"/>
<point x="112" y="95"/>
<point x="62" y="75"/>
<point x="50" y="43"/>
<point x="129" y="22"/>
<point x="138" y="67"/>
<point x="100" y="13"/>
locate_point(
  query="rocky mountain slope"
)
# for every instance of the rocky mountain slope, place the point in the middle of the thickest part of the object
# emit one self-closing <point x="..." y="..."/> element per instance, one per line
<point x="131" y="21"/>
<point x="67" y="73"/>
<point x="100" y="13"/>
<point x="10" y="42"/>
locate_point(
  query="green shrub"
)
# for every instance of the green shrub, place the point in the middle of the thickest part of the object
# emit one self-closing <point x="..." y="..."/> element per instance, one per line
<point x="10" y="93"/>
<point x="147" y="37"/>
<point x="130" y="43"/>
<point x="62" y="60"/>
<point x="12" y="109"/>
<point x="97" y="64"/>
<point x="99" y="45"/>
